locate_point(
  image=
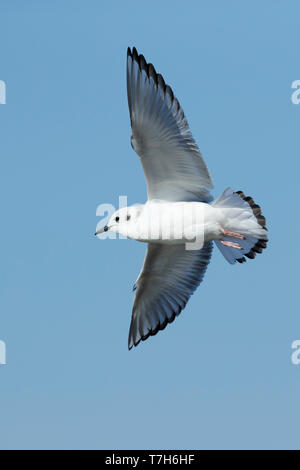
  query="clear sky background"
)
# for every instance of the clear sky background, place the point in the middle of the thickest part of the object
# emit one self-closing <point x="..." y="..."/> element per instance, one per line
<point x="221" y="375"/>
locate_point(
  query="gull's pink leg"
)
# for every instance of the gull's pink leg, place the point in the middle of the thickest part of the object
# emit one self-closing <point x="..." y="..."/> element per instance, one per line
<point x="231" y="244"/>
<point x="227" y="233"/>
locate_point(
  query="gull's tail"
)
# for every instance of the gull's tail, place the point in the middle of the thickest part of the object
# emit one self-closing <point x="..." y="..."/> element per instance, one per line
<point x="241" y="215"/>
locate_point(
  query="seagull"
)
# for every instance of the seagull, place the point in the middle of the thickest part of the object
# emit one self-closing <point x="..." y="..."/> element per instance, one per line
<point x="180" y="222"/>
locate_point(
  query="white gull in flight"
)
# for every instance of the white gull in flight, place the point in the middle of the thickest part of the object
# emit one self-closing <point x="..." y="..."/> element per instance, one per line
<point x="179" y="221"/>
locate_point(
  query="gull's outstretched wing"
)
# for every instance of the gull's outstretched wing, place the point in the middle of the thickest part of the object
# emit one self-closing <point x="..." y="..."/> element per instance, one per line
<point x="169" y="276"/>
<point x="172" y="162"/>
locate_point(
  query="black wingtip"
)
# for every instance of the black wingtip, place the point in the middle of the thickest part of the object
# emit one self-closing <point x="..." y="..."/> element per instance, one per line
<point x="142" y="63"/>
<point x="131" y="343"/>
<point x="161" y="326"/>
<point x="134" y="54"/>
<point x="150" y="70"/>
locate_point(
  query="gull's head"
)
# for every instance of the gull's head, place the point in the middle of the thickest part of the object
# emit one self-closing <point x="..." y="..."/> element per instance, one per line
<point x="123" y="221"/>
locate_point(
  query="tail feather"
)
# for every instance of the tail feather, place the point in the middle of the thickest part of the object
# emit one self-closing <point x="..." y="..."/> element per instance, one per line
<point x="243" y="216"/>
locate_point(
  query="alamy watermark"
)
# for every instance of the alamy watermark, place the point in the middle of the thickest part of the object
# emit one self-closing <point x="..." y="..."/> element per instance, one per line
<point x="295" y="357"/>
<point x="156" y="221"/>
<point x="296" y="94"/>
<point x="2" y="92"/>
<point x="2" y="353"/>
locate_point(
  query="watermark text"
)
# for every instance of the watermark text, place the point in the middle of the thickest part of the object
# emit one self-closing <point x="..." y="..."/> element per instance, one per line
<point x="296" y="94"/>
<point x="2" y="92"/>
<point x="2" y="353"/>
<point x="295" y="357"/>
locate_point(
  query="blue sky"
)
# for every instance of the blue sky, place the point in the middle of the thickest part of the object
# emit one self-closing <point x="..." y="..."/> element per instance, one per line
<point x="221" y="375"/>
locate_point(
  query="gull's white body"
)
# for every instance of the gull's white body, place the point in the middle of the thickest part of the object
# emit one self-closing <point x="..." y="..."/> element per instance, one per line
<point x="178" y="221"/>
<point x="173" y="223"/>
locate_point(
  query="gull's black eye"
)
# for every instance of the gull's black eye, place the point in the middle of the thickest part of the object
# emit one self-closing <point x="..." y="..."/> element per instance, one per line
<point x="117" y="219"/>
<point x="128" y="217"/>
